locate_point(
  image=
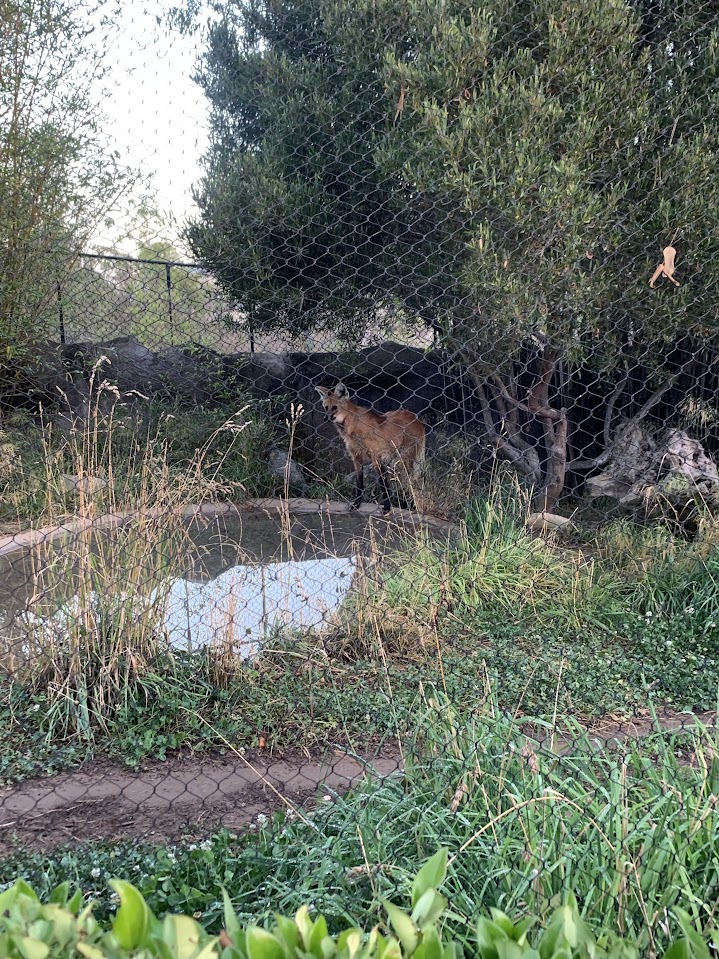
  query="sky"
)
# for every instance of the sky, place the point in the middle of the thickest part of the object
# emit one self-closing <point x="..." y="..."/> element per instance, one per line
<point x="156" y="114"/>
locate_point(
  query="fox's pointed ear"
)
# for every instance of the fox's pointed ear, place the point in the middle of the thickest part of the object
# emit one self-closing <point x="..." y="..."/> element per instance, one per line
<point x="323" y="391"/>
<point x="341" y="391"/>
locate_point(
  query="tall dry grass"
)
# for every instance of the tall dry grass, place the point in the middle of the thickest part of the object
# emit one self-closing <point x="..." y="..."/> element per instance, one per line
<point x="93" y="622"/>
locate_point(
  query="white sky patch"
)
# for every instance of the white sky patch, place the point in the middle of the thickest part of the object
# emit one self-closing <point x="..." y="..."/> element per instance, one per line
<point x="156" y="114"/>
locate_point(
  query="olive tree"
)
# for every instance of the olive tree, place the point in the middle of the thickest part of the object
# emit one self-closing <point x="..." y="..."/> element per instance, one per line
<point x="509" y="173"/>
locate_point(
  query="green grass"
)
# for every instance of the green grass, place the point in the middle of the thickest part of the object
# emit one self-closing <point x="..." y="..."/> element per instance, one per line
<point x="504" y="624"/>
<point x="632" y="832"/>
<point x="550" y="633"/>
<point x="577" y="632"/>
<point x="297" y="699"/>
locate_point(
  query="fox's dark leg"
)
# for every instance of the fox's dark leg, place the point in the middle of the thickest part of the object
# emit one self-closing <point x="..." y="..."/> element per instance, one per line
<point x="359" y="477"/>
<point x="384" y="483"/>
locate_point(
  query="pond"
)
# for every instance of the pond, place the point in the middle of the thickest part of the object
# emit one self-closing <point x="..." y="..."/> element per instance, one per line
<point x="242" y="578"/>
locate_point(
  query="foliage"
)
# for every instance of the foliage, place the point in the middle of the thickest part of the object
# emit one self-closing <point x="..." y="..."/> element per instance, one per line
<point x="595" y="617"/>
<point x="57" y="177"/>
<point x="547" y="628"/>
<point x="578" y="813"/>
<point x="93" y="628"/>
<point x="342" y="145"/>
<point x="34" y="456"/>
<point x="168" y="305"/>
<point x="508" y="176"/>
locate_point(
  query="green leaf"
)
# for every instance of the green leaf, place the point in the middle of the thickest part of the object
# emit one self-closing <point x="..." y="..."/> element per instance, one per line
<point x="62" y="923"/>
<point x="59" y="894"/>
<point x="288" y="931"/>
<point x="208" y="951"/>
<point x="304" y="925"/>
<point x="8" y="899"/>
<point x="567" y="929"/>
<point x="618" y="948"/>
<point x="22" y="889"/>
<point x="388" y="948"/>
<point x="696" y="943"/>
<point x="133" y="919"/>
<point x="182" y="935"/>
<point x="32" y="948"/>
<point x="349" y="942"/>
<point x="431" y="945"/>
<point x="509" y="949"/>
<point x="90" y="952"/>
<point x="430" y="876"/>
<point x="503" y="921"/>
<point x="551" y="940"/>
<point x="232" y="925"/>
<point x="522" y="927"/>
<point x="316" y="944"/>
<point x="488" y="935"/>
<point x="678" y="950"/>
<point x="261" y="944"/>
<point x="453" y="950"/>
<point x="75" y="901"/>
<point x="429" y="908"/>
<point x="404" y="928"/>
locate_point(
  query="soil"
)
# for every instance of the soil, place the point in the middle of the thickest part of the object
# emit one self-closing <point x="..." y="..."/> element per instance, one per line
<point x="188" y="796"/>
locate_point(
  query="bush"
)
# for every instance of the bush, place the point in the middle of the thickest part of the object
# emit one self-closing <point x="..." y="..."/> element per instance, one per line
<point x="65" y="927"/>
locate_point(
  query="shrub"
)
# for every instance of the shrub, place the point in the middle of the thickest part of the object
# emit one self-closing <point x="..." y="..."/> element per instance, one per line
<point x="65" y="927"/>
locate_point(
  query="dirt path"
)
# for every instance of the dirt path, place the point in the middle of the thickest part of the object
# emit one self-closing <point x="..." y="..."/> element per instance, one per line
<point x="189" y="796"/>
<point x="185" y="796"/>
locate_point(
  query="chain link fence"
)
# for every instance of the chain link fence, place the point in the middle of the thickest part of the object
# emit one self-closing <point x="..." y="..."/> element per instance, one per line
<point x="384" y="518"/>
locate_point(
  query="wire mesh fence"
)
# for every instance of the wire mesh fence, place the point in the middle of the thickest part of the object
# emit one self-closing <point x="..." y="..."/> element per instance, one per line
<point x="371" y="509"/>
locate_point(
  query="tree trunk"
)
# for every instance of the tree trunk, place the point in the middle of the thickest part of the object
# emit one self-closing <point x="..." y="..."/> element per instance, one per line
<point x="508" y="439"/>
<point x="556" y="470"/>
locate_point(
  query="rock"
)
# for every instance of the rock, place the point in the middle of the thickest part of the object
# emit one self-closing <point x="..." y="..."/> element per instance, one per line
<point x="284" y="468"/>
<point x="86" y="484"/>
<point x="604" y="484"/>
<point x="383" y="377"/>
<point x="138" y="372"/>
<point x="546" y="522"/>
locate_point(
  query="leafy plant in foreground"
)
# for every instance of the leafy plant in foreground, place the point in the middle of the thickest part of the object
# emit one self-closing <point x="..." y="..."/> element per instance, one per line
<point x="65" y="927"/>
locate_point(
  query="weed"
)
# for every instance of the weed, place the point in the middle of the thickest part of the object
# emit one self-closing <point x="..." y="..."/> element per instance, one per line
<point x="46" y="464"/>
<point x="94" y="624"/>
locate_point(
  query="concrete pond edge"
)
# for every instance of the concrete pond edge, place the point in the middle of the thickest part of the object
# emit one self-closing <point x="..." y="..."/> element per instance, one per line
<point x="26" y="539"/>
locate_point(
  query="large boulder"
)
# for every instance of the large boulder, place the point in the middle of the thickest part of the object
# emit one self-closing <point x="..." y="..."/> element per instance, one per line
<point x="382" y="377"/>
<point x="134" y="369"/>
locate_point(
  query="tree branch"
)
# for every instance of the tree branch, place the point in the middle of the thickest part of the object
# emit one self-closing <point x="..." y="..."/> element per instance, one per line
<point x="543" y="411"/>
<point x="510" y="423"/>
<point x="581" y="466"/>
<point x="612" y="402"/>
<point x="556" y="442"/>
<point x="526" y="460"/>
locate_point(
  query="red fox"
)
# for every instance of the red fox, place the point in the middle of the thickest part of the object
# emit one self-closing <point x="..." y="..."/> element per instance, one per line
<point x="381" y="439"/>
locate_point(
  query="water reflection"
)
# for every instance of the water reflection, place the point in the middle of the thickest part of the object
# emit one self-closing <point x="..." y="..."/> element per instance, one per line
<point x="245" y="604"/>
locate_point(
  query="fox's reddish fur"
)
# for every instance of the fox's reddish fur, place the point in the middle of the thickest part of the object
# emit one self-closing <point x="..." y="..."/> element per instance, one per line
<point x="381" y="440"/>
